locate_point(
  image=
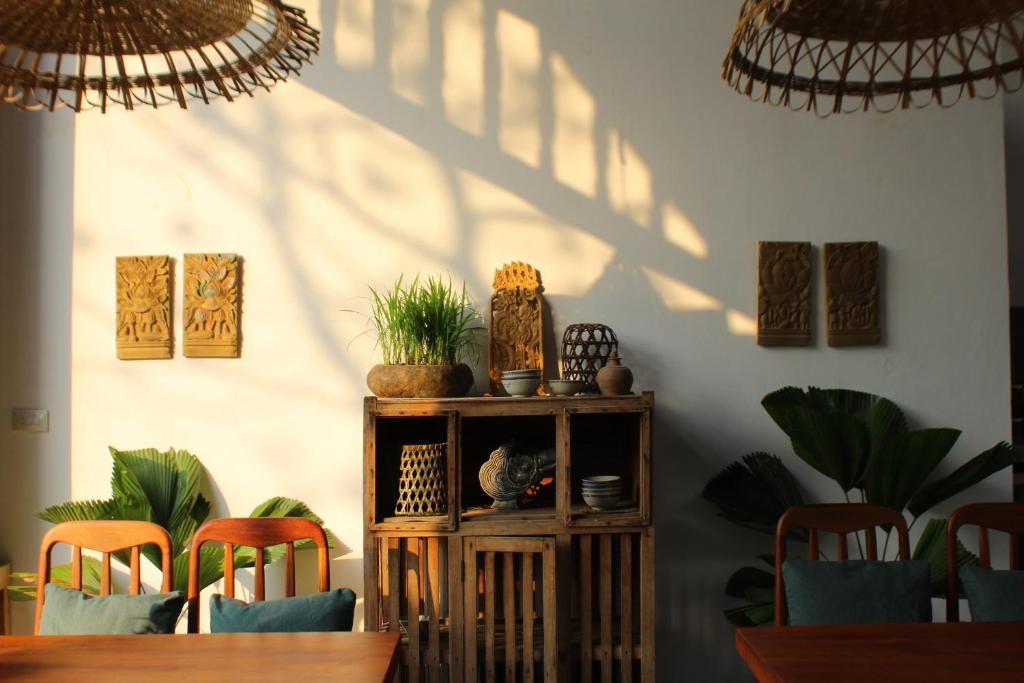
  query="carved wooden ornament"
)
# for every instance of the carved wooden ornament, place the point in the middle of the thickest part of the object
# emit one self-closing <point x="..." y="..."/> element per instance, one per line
<point x="212" y="309"/>
<point x="851" y="289"/>
<point x="516" y="322"/>
<point x="143" y="307"/>
<point x="783" y="293"/>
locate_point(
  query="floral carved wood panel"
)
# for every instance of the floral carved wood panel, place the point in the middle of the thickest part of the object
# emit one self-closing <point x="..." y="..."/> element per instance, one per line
<point x="516" y="330"/>
<point x="143" y="307"/>
<point x="783" y="293"/>
<point x="212" y="311"/>
<point x="851" y="290"/>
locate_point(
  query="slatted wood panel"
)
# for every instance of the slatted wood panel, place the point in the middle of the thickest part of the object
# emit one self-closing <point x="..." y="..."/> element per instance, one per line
<point x="510" y="611"/>
<point x="414" y="600"/>
<point x="608" y="579"/>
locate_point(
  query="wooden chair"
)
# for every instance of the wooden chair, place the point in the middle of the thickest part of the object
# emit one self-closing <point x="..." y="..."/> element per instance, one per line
<point x="1005" y="517"/>
<point x="258" y="533"/>
<point x="107" y="537"/>
<point x="840" y="519"/>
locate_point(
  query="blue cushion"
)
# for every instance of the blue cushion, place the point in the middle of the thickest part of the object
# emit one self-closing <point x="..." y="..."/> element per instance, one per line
<point x="994" y="595"/>
<point x="71" y="612"/>
<point x="857" y="592"/>
<point x="330" y="611"/>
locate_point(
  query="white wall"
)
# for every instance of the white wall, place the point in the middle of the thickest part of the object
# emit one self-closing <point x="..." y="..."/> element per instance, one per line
<point x="593" y="140"/>
<point x="36" y="162"/>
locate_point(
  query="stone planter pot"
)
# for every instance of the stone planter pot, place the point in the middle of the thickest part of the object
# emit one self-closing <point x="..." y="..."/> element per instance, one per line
<point x="420" y="381"/>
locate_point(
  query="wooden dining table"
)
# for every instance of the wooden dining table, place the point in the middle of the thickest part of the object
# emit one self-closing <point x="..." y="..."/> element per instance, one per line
<point x="292" y="657"/>
<point x="898" y="653"/>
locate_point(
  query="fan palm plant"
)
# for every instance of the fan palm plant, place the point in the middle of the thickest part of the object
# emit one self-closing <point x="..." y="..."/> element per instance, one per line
<point x="861" y="442"/>
<point x="161" y="487"/>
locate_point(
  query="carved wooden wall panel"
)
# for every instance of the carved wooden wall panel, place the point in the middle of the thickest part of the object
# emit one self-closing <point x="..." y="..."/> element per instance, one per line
<point x="851" y="290"/>
<point x="212" y="305"/>
<point x="516" y="330"/>
<point x="143" y="307"/>
<point x="783" y="293"/>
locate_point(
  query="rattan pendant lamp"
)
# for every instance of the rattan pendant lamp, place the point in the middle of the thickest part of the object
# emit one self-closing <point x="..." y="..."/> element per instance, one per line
<point x="831" y="56"/>
<point x="129" y="53"/>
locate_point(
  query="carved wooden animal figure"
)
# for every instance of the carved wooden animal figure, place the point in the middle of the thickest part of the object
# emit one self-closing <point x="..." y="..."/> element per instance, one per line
<point x="507" y="475"/>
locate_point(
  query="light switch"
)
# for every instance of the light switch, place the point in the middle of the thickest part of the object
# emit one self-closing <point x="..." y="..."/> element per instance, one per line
<point x="30" y="420"/>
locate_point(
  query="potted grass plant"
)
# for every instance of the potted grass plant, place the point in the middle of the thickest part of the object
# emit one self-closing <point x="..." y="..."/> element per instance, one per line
<point x="425" y="330"/>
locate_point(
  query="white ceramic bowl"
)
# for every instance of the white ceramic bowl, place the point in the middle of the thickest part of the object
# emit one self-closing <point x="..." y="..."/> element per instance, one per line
<point x="521" y="388"/>
<point x="602" y="493"/>
<point x="565" y="387"/>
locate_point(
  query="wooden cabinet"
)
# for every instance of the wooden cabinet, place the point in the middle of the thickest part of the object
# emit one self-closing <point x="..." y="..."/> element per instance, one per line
<point x="552" y="591"/>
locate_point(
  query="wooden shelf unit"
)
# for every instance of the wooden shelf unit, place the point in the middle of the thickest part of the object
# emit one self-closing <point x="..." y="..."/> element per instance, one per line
<point x="552" y="592"/>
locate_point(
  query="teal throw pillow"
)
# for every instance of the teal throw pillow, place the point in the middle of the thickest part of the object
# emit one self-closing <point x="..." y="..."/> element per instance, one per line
<point x="994" y="595"/>
<point x="330" y="611"/>
<point x="70" y="612"/>
<point x="857" y="592"/>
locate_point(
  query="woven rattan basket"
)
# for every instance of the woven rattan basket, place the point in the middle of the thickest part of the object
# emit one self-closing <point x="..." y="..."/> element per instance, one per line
<point x="831" y="56"/>
<point x="422" y="489"/>
<point x="103" y="53"/>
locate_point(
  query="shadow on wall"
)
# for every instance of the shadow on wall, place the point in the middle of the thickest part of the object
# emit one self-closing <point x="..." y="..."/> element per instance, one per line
<point x="36" y="179"/>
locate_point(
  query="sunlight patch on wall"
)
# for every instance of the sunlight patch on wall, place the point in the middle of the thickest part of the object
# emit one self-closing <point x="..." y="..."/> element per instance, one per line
<point x="574" y="149"/>
<point x="678" y="230"/>
<point x="740" y="324"/>
<point x="410" y="49"/>
<point x="381" y="187"/>
<point x="353" y="34"/>
<point x="520" y="57"/>
<point x="463" y="88"/>
<point x="570" y="259"/>
<point x="679" y="296"/>
<point x="629" y="180"/>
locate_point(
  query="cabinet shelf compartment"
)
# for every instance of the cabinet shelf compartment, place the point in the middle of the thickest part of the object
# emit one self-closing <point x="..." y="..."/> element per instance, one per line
<point x="480" y="436"/>
<point x="390" y="434"/>
<point x="602" y="444"/>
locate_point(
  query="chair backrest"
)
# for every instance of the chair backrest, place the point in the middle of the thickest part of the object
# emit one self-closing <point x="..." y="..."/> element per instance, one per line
<point x="840" y="519"/>
<point x="1005" y="517"/>
<point x="258" y="533"/>
<point x="105" y="536"/>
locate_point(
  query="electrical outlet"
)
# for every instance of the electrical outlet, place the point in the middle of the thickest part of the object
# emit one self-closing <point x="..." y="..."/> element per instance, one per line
<point x="30" y="420"/>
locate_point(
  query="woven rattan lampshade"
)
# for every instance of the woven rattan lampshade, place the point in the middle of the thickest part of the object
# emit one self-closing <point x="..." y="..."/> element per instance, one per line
<point x="832" y="56"/>
<point x="103" y="53"/>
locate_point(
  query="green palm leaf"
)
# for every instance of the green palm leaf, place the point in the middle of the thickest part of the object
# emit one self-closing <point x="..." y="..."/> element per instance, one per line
<point x="757" y="587"/>
<point x="211" y="567"/>
<point x="76" y="511"/>
<point x="979" y="468"/>
<point x="755" y="492"/>
<point x="833" y="443"/>
<point x="161" y="487"/>
<point x="24" y="587"/>
<point x="931" y="547"/>
<point x="838" y="432"/>
<point x="276" y="507"/>
<point x="904" y="463"/>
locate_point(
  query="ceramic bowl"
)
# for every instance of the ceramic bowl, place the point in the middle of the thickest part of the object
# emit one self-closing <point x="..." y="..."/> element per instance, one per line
<point x="519" y="374"/>
<point x="565" y="387"/>
<point x="602" y="493"/>
<point x="521" y="387"/>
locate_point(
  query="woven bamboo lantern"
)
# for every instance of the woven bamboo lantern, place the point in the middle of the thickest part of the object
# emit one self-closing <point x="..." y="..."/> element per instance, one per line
<point x="126" y="53"/>
<point x="422" y="484"/>
<point x="831" y="56"/>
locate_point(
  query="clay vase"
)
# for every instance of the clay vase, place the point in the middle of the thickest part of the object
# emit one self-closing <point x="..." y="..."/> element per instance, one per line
<point x="420" y="381"/>
<point x="614" y="379"/>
